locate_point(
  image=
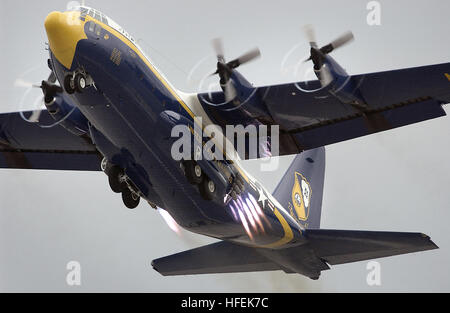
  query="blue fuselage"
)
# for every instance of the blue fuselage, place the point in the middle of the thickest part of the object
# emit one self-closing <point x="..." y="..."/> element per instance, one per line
<point x="125" y="108"/>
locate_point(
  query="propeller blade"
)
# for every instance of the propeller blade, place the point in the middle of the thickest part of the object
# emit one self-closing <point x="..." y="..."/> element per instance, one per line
<point x="25" y="84"/>
<point x="230" y="91"/>
<point x="218" y="48"/>
<point x="310" y="35"/>
<point x="245" y="58"/>
<point x="339" y="42"/>
<point x="39" y="105"/>
<point x="325" y="76"/>
<point x="343" y="40"/>
<point x="34" y="118"/>
<point x="249" y="56"/>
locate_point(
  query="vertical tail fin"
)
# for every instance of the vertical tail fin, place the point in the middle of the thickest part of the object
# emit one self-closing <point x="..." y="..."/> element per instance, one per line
<point x="301" y="188"/>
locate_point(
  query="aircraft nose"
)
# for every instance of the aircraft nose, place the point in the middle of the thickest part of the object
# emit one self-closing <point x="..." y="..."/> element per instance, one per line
<point x="64" y="31"/>
<point x="52" y="22"/>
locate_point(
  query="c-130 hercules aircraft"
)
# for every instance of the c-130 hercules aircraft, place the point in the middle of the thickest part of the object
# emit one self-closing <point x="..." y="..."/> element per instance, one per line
<point x="113" y="111"/>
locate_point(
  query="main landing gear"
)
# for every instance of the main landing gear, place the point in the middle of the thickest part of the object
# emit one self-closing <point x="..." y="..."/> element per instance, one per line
<point x="195" y="176"/>
<point x="120" y="183"/>
<point x="77" y="81"/>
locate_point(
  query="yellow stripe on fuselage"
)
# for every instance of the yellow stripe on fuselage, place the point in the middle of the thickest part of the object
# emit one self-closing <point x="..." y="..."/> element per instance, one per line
<point x="288" y="234"/>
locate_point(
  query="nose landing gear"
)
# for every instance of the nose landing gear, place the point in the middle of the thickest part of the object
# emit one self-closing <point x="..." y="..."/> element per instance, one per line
<point x="77" y="81"/>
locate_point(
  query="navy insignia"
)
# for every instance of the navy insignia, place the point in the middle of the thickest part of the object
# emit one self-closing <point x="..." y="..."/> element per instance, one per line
<point x="301" y="197"/>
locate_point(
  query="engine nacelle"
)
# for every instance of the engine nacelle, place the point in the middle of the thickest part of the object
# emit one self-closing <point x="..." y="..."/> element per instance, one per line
<point x="340" y="84"/>
<point x="66" y="114"/>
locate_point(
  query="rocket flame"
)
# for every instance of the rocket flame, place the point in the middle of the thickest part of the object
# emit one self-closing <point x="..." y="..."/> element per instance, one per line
<point x="169" y="221"/>
<point x="248" y="211"/>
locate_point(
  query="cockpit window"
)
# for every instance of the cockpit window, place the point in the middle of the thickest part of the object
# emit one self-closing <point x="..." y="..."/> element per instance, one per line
<point x="104" y="19"/>
<point x="92" y="13"/>
<point x="84" y="11"/>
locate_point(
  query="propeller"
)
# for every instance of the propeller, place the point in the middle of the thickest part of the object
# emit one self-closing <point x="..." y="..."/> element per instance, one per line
<point x="225" y="69"/>
<point x="318" y="55"/>
<point x="49" y="89"/>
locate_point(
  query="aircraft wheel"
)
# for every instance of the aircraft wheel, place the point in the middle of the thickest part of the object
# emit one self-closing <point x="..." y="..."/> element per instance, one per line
<point x="114" y="175"/>
<point x="194" y="173"/>
<point x="69" y="84"/>
<point x="207" y="189"/>
<point x="80" y="82"/>
<point x="130" y="199"/>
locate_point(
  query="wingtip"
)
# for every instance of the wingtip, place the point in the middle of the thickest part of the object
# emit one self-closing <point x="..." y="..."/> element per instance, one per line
<point x="432" y="245"/>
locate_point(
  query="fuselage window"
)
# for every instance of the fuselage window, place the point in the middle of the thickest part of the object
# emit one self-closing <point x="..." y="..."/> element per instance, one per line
<point x="91" y="26"/>
<point x="98" y="29"/>
<point x="98" y="17"/>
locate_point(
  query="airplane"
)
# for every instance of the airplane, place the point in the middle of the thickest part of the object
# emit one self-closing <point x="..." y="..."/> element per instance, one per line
<point x="108" y="108"/>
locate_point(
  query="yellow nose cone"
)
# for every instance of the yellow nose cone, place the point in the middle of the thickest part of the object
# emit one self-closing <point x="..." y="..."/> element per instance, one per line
<point x="64" y="31"/>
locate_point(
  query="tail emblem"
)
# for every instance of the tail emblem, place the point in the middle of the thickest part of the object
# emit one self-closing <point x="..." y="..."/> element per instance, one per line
<point x="301" y="197"/>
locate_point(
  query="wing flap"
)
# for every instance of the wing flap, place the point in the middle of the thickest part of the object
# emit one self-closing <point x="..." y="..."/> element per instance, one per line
<point x="357" y="125"/>
<point x="25" y="145"/>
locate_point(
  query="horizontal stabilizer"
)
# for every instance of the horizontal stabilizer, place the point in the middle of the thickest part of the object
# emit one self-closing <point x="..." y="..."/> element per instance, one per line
<point x="221" y="257"/>
<point x="341" y="246"/>
<point x="330" y="246"/>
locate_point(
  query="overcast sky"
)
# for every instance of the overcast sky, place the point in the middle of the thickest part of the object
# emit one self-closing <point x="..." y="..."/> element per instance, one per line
<point x="395" y="181"/>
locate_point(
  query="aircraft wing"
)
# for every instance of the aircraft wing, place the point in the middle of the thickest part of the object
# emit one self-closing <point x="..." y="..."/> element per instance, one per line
<point x="394" y="99"/>
<point x="309" y="120"/>
<point x="25" y="145"/>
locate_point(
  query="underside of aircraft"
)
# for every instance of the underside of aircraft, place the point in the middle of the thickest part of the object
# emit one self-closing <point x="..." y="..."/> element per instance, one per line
<point x="109" y="109"/>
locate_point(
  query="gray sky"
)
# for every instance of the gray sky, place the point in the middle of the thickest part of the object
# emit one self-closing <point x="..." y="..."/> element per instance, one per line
<point x="395" y="181"/>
